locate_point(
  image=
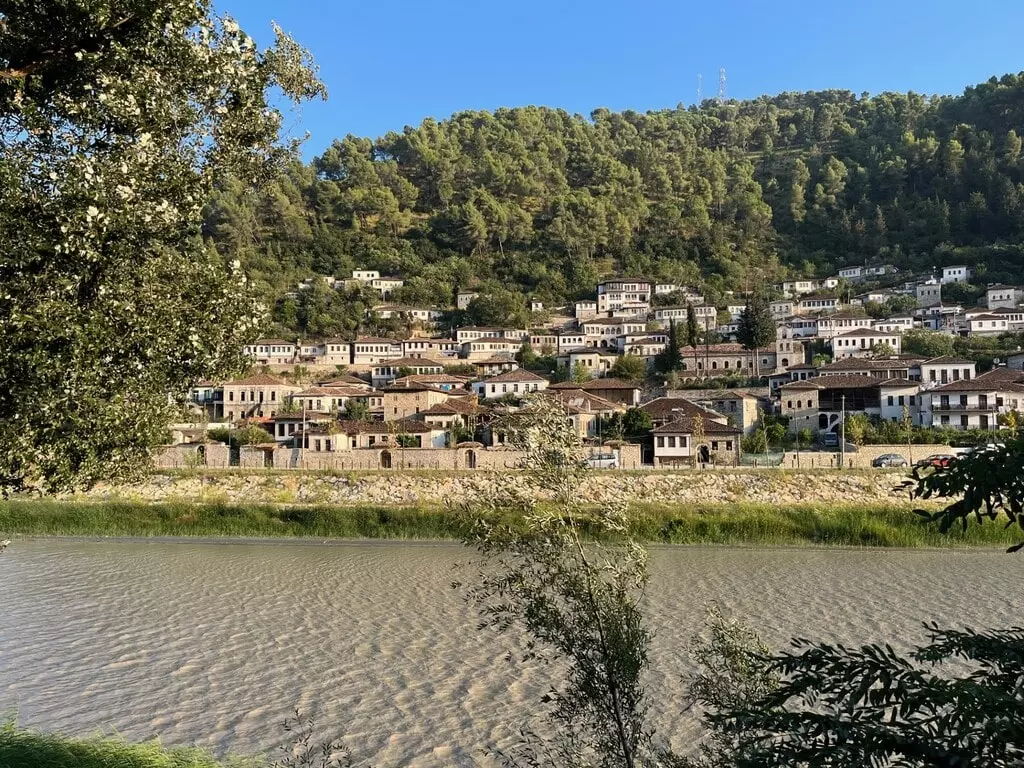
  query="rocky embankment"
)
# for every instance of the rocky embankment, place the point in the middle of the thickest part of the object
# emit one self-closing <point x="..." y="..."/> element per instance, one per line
<point x="779" y="487"/>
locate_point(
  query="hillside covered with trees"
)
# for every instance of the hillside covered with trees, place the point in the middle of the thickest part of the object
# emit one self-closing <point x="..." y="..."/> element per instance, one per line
<point x="546" y="203"/>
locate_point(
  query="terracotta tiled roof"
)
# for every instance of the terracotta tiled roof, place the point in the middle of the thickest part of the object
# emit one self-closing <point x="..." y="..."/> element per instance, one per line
<point x="674" y="407"/>
<point x="453" y="407"/>
<point x="409" y="362"/>
<point x="579" y="401"/>
<point x="684" y="425"/>
<point x="845" y="381"/>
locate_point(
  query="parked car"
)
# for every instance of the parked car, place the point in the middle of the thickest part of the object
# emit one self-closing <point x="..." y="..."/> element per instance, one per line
<point x="936" y="460"/>
<point x="889" y="460"/>
<point x="830" y="440"/>
<point x="603" y="461"/>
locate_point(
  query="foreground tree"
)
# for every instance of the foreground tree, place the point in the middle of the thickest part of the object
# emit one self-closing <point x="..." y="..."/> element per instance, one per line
<point x="117" y="118"/>
<point x="577" y="601"/>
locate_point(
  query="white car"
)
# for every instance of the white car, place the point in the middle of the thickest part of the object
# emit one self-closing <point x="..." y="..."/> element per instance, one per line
<point x="603" y="461"/>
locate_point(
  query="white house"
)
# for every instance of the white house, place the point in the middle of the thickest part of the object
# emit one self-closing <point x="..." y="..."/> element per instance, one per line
<point x="816" y="303"/>
<point x="365" y="275"/>
<point x="861" y="342"/>
<point x="944" y="370"/>
<point x="894" y="324"/>
<point x="371" y="350"/>
<point x="852" y="273"/>
<point x="613" y="294"/>
<point x="271" y="351"/>
<point x="841" y="322"/>
<point x="955" y="274"/>
<point x="792" y="288"/>
<point x="517" y="382"/>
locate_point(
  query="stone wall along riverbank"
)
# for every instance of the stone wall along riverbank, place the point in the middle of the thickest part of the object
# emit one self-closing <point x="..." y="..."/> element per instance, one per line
<point x="696" y="488"/>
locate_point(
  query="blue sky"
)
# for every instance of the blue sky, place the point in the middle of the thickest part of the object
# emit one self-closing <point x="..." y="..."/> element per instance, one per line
<point x="388" y="65"/>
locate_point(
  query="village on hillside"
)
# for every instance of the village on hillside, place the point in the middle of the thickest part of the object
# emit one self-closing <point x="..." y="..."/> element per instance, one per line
<point x="648" y="374"/>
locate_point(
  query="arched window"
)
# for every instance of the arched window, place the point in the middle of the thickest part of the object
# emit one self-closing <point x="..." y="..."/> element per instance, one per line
<point x="470" y="459"/>
<point x="385" y="459"/>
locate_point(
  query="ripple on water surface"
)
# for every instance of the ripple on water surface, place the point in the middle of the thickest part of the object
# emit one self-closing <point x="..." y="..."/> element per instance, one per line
<point x="215" y="644"/>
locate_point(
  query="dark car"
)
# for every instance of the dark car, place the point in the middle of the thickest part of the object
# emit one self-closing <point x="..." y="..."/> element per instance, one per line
<point x="936" y="460"/>
<point x="889" y="460"/>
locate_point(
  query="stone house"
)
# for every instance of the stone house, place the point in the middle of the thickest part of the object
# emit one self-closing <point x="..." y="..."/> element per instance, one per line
<point x="586" y="411"/>
<point x="597" y="360"/>
<point x="738" y="406"/>
<point x="664" y="410"/>
<point x="625" y="393"/>
<point x="259" y="396"/>
<point x="403" y="402"/>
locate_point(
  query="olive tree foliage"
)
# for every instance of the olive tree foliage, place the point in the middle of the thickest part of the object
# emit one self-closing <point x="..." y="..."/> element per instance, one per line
<point x="576" y="598"/>
<point x="117" y="119"/>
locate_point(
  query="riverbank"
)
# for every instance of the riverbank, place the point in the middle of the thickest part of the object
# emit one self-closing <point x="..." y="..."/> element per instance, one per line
<point x="23" y="748"/>
<point x="732" y="524"/>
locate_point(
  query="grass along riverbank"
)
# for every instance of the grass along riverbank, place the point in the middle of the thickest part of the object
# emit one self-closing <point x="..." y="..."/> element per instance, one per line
<point x="742" y="523"/>
<point x="23" y="748"/>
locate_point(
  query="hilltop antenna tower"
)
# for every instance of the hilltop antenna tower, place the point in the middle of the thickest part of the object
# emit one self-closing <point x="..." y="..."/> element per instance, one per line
<point x="700" y="90"/>
<point x="721" y="85"/>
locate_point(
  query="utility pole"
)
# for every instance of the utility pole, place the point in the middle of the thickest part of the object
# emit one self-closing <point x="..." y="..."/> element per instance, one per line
<point x="302" y="443"/>
<point x="842" y="434"/>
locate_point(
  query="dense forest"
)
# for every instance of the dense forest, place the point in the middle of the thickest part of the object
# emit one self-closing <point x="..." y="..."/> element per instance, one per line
<point x="543" y="203"/>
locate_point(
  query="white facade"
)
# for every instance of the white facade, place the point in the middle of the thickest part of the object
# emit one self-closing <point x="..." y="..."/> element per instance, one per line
<point x="894" y="324"/>
<point x="956" y="274"/>
<point x="860" y="343"/>
<point x="613" y="294"/>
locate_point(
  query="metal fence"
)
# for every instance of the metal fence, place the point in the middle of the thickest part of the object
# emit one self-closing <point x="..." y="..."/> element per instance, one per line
<point x="762" y="459"/>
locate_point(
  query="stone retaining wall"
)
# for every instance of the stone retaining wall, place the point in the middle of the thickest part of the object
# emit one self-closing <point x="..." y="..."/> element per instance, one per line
<point x="776" y="487"/>
<point x="393" y="457"/>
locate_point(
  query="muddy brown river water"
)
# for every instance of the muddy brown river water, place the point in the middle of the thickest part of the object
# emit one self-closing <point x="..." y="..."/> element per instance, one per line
<point x="215" y="643"/>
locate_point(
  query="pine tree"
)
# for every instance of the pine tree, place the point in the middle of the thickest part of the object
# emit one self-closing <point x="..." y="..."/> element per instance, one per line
<point x="756" y="326"/>
<point x="692" y="331"/>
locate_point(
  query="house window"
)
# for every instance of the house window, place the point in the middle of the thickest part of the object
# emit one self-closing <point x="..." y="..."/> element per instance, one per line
<point x="728" y="445"/>
<point x="231" y="397"/>
<point x="672" y="442"/>
<point x="661" y="441"/>
<point x="789" y="403"/>
<point x="241" y="396"/>
<point x="714" y="445"/>
<point x="273" y="395"/>
<point x="963" y="421"/>
<point x="913" y="400"/>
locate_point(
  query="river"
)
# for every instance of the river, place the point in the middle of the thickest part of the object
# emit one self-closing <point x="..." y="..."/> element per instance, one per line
<point x="215" y="643"/>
